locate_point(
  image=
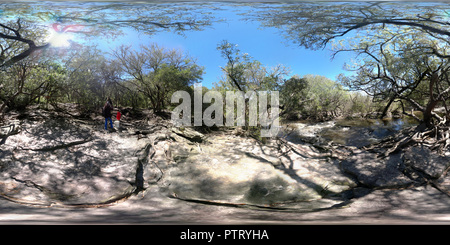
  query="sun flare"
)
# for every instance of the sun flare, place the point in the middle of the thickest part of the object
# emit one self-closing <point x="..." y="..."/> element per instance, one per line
<point x="58" y="39"/>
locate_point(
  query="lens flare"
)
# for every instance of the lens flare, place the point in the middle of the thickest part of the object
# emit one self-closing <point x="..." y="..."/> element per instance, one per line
<point x="59" y="39"/>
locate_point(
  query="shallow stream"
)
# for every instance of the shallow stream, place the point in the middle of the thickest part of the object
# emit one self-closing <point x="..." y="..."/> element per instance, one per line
<point x="352" y="132"/>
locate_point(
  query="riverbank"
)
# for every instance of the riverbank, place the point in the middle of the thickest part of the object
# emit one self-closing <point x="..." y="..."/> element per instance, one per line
<point x="356" y="132"/>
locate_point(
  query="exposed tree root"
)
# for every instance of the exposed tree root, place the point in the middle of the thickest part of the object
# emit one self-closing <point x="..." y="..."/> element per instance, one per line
<point x="332" y="151"/>
<point x="112" y="201"/>
<point x="260" y="207"/>
<point x="145" y="156"/>
<point x="57" y="147"/>
<point x="436" y="138"/>
<point x="440" y="188"/>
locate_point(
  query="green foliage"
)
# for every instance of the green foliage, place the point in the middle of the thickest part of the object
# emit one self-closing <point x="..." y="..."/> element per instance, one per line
<point x="313" y="96"/>
<point x="361" y="104"/>
<point x="86" y="83"/>
<point x="293" y="96"/>
<point x="29" y="80"/>
<point x="402" y="50"/>
<point x="394" y="64"/>
<point x="244" y="74"/>
<point x="157" y="72"/>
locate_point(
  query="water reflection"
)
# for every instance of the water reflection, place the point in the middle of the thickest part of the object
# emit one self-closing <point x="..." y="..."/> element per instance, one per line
<point x="361" y="132"/>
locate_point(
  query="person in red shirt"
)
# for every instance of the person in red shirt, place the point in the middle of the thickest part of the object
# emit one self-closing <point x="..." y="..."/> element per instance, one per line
<point x="119" y="115"/>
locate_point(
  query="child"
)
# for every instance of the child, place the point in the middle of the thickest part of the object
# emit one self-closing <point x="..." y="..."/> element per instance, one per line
<point x="119" y="115"/>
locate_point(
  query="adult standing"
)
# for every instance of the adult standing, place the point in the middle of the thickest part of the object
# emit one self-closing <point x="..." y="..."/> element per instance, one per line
<point x="107" y="113"/>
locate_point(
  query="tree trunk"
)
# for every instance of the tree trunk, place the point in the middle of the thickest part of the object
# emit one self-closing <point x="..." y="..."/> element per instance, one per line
<point x="428" y="113"/>
<point x="386" y="108"/>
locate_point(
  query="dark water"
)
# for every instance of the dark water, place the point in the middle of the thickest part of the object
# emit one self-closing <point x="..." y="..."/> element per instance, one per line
<point x="361" y="132"/>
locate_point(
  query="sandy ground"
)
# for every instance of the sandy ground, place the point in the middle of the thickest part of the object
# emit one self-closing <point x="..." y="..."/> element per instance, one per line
<point x="379" y="207"/>
<point x="52" y="164"/>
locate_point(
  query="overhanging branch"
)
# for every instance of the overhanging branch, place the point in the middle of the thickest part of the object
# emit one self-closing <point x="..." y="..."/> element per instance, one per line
<point x="16" y="36"/>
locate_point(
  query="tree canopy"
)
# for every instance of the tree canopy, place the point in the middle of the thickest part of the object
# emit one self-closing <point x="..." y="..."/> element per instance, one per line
<point x="315" y="24"/>
<point x="26" y="27"/>
<point x="399" y="47"/>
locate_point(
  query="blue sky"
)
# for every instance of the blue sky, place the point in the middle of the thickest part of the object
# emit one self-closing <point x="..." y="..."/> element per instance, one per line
<point x="266" y="45"/>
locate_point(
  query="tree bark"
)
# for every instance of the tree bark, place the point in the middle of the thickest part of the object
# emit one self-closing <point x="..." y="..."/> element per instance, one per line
<point x="385" y="110"/>
<point x="427" y="113"/>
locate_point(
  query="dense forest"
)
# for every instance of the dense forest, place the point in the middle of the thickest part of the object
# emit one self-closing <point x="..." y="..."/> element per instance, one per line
<point x="146" y="78"/>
